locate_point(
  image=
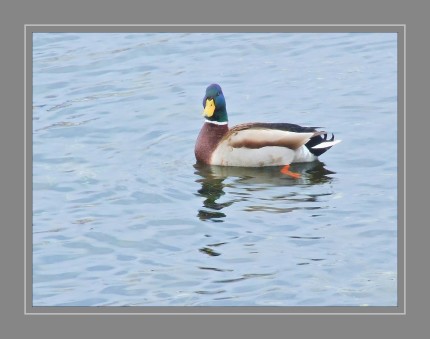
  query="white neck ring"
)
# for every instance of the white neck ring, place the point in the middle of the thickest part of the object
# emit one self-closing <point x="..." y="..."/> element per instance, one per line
<point x="216" y="122"/>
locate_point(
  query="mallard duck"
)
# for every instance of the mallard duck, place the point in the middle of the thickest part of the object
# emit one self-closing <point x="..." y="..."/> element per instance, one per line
<point x="254" y="144"/>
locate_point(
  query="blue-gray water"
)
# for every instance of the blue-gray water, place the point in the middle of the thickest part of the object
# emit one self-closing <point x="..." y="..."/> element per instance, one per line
<point x="122" y="216"/>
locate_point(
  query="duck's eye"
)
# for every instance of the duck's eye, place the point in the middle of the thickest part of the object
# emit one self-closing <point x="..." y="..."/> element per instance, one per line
<point x="218" y="94"/>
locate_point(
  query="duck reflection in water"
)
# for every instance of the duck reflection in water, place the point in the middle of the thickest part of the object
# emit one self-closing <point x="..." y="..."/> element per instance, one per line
<point x="212" y="180"/>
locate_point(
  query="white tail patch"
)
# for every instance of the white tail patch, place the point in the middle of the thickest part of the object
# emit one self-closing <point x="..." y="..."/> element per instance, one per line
<point x="304" y="155"/>
<point x="326" y="144"/>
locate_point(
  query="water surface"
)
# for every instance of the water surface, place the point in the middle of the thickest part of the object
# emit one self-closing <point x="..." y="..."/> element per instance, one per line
<point x="122" y="215"/>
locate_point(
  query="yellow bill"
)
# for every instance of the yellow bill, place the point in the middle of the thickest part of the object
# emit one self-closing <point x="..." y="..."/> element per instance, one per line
<point x="209" y="108"/>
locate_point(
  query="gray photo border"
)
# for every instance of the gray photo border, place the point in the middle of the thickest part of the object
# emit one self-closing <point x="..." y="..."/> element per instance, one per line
<point x="29" y="309"/>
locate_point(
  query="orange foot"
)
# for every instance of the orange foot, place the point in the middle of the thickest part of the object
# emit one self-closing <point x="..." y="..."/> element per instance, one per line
<point x="286" y="170"/>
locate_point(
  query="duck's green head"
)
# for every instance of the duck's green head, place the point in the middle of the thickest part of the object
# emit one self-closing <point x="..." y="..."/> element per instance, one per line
<point x="214" y="104"/>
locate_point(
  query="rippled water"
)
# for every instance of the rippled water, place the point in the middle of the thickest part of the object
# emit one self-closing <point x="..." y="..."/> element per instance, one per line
<point x="123" y="216"/>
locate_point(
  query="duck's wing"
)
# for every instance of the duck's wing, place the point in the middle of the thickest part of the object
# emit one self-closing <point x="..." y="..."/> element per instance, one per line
<point x="258" y="135"/>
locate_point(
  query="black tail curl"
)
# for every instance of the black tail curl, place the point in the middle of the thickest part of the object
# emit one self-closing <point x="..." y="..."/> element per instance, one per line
<point x="316" y="140"/>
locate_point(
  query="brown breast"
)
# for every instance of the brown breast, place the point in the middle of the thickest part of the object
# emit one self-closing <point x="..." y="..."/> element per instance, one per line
<point x="207" y="141"/>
